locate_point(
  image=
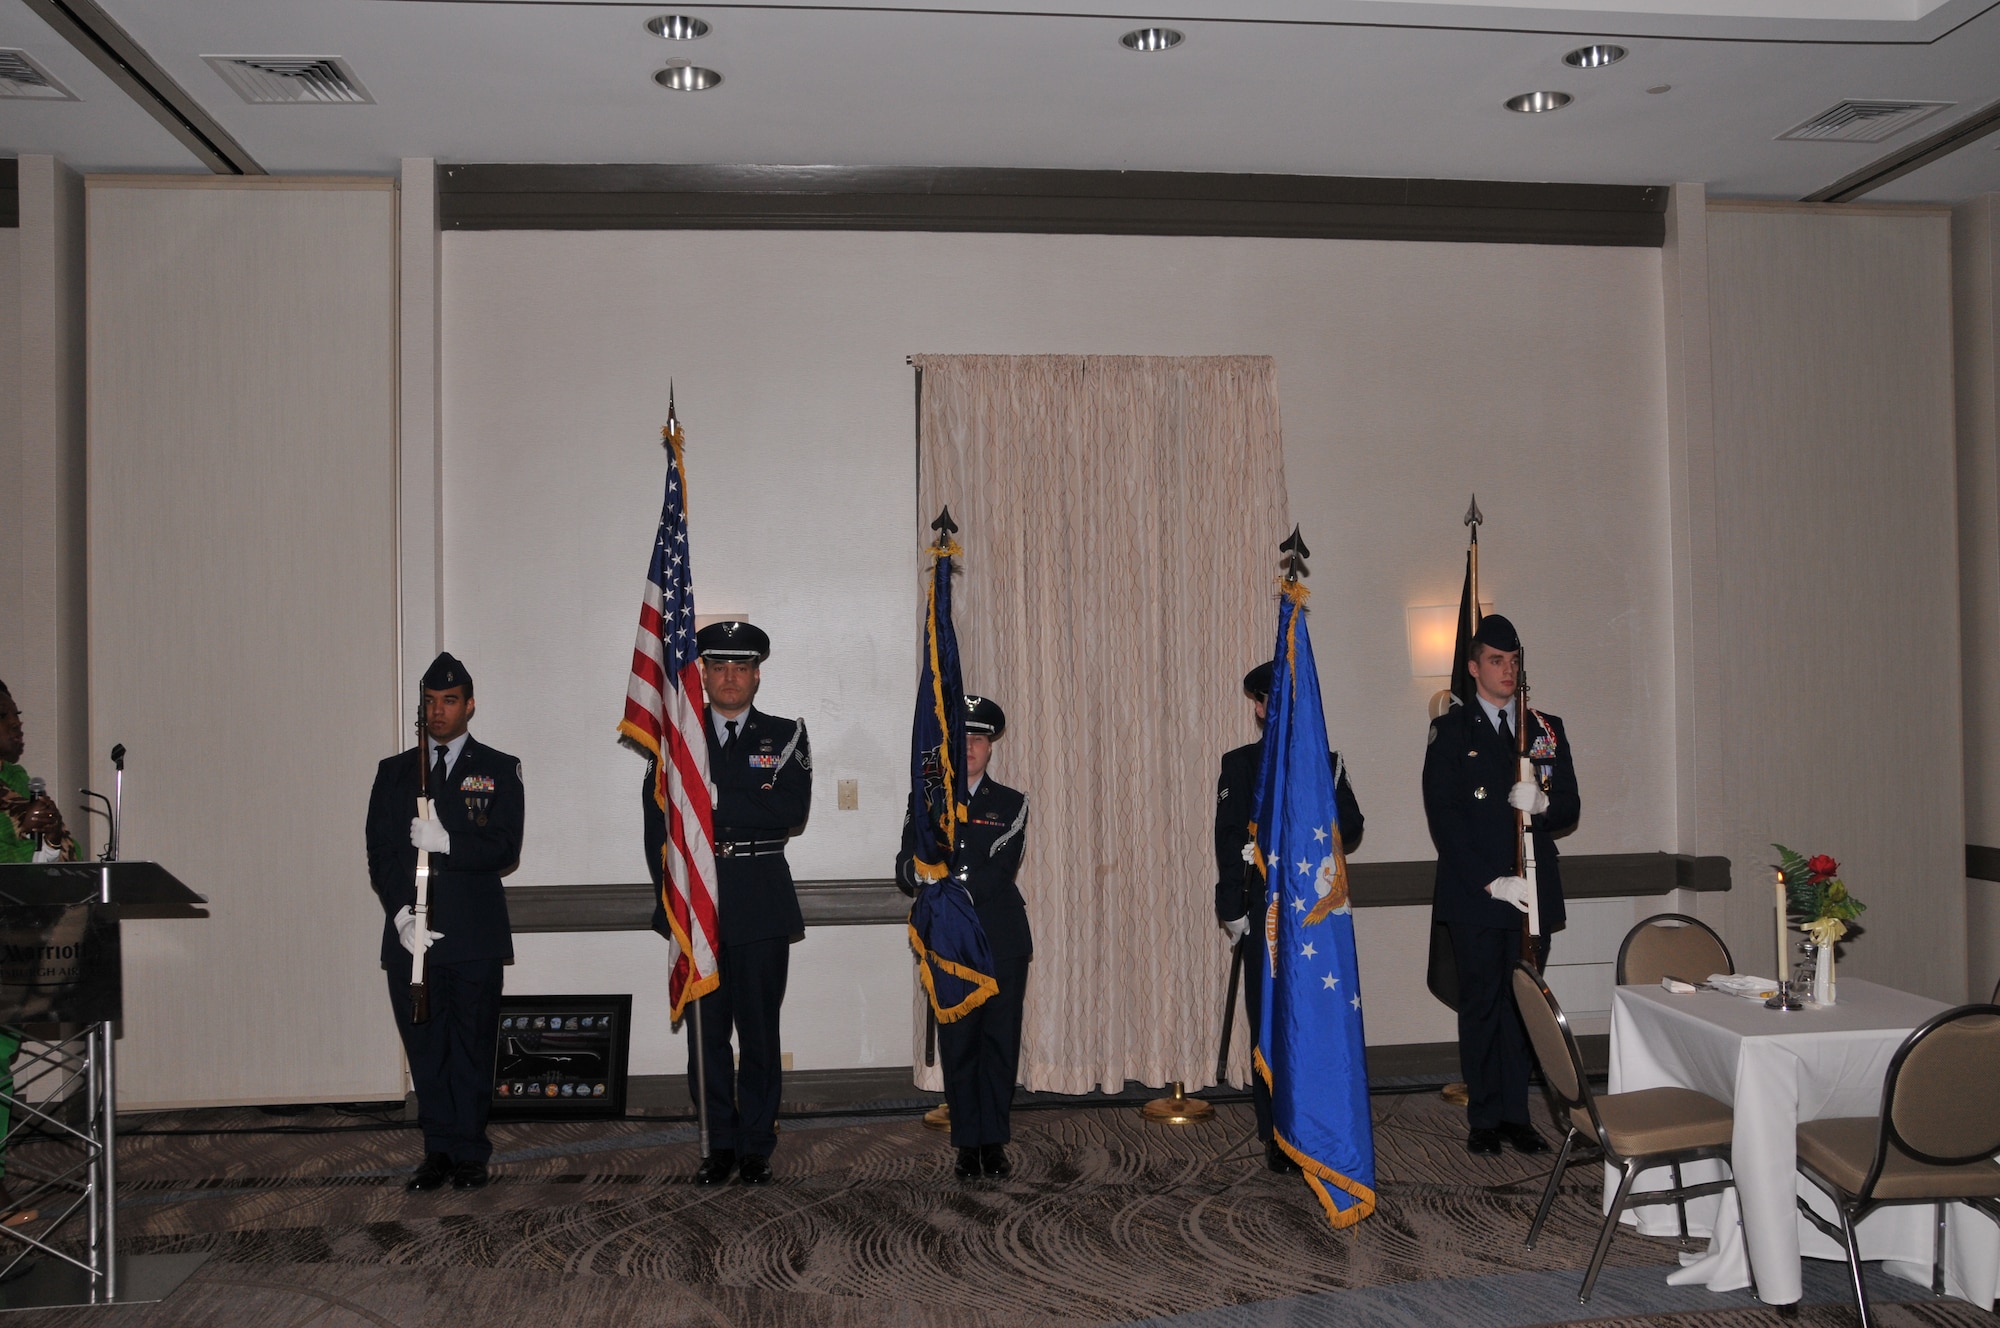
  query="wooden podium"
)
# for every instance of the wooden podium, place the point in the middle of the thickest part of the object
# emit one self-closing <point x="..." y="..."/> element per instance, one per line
<point x="62" y="988"/>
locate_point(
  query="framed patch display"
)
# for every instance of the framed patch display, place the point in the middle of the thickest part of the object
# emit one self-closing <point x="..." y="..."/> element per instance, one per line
<point x="562" y="1057"/>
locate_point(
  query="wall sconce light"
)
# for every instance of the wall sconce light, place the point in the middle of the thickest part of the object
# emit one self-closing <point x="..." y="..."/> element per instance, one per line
<point x="1433" y="631"/>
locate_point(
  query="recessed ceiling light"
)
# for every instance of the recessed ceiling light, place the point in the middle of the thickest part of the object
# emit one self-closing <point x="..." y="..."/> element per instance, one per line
<point x="677" y="27"/>
<point x="687" y="78"/>
<point x="1151" y="39"/>
<point x="1594" y="57"/>
<point x="1664" y="87"/>
<point x="1534" y="103"/>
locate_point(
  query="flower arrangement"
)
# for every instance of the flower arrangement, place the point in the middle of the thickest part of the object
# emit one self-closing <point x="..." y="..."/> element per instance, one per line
<point x="1816" y="894"/>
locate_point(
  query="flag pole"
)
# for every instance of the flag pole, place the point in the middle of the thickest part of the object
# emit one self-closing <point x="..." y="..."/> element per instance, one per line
<point x="1177" y="1108"/>
<point x="1456" y="1092"/>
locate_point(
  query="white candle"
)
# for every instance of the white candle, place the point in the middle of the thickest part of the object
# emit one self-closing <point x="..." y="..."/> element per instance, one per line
<point x="1784" y="964"/>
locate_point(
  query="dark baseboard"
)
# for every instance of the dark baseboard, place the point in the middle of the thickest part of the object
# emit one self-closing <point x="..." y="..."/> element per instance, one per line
<point x="1401" y="1066"/>
<point x="555" y="197"/>
<point x="629" y="906"/>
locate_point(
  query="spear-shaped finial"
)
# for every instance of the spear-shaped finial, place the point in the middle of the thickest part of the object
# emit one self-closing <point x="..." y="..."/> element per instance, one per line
<point x="1295" y="551"/>
<point x="1474" y="517"/>
<point x="945" y="527"/>
<point x="673" y="423"/>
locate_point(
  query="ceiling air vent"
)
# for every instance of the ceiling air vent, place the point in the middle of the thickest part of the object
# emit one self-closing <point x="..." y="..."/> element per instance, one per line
<point x="291" y="80"/>
<point x="1864" y="121"/>
<point x="22" y="78"/>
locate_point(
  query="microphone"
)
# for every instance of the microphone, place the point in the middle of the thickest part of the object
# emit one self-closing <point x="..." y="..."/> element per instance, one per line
<point x="37" y="790"/>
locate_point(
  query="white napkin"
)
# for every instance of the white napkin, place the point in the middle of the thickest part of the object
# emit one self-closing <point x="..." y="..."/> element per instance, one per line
<point x="1743" y="984"/>
<point x="1677" y="987"/>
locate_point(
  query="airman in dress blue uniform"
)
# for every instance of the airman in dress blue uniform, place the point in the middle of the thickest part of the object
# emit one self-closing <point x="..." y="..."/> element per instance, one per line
<point x="982" y="1049"/>
<point x="1471" y="793"/>
<point x="475" y="839"/>
<point x="762" y="769"/>
<point x="1239" y="887"/>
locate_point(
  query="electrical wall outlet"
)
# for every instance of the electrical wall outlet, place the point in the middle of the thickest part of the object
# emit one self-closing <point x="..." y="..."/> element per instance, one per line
<point x="849" y="794"/>
<point x="784" y="1060"/>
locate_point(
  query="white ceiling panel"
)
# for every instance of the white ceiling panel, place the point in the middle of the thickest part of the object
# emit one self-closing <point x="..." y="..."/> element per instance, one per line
<point x="101" y="130"/>
<point x="1292" y="86"/>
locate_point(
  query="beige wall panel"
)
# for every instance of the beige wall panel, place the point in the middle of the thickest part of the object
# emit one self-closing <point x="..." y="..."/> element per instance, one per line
<point x="42" y="642"/>
<point x="11" y="541"/>
<point x="1975" y="234"/>
<point x="1405" y="380"/>
<point x="243" y="622"/>
<point x="1836" y="519"/>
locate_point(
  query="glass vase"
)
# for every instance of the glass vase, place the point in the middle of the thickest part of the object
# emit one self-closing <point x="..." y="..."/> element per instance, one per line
<point x="1822" y="982"/>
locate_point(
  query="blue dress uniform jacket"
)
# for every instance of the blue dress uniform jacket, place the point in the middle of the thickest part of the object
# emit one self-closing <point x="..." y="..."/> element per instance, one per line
<point x="982" y="1050"/>
<point x="987" y="857"/>
<point x="1467" y="774"/>
<point x="451" y="1053"/>
<point x="763" y="789"/>
<point x="1237" y="891"/>
<point x="483" y="811"/>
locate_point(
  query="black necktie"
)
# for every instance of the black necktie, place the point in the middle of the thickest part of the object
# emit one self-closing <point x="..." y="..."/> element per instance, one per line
<point x="1506" y="732"/>
<point x="729" y="739"/>
<point x="439" y="774"/>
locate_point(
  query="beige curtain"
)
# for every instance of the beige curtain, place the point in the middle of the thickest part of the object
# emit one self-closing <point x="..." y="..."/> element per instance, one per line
<point x="1120" y="518"/>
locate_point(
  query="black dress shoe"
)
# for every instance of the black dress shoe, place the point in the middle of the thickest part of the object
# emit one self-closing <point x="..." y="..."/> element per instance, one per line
<point x="1278" y="1160"/>
<point x="715" y="1168"/>
<point x="968" y="1166"/>
<point x="1523" y="1137"/>
<point x="993" y="1160"/>
<point x="1485" y="1143"/>
<point x="756" y="1169"/>
<point x="469" y="1176"/>
<point x="431" y="1173"/>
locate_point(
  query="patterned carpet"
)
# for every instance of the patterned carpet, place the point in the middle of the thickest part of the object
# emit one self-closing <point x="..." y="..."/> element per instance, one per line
<point x="1107" y="1220"/>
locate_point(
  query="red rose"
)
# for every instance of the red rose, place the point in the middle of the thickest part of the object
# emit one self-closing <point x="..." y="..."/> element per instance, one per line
<point x="1821" y="866"/>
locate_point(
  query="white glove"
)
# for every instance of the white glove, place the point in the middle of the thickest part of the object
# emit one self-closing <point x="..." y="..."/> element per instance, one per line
<point x="431" y="836"/>
<point x="1237" y="928"/>
<point x="1527" y="796"/>
<point x="406" y="929"/>
<point x="1513" y="889"/>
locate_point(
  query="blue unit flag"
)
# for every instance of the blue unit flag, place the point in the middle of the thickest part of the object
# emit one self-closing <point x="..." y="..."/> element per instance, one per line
<point x="1311" y="1051"/>
<point x="954" y="960"/>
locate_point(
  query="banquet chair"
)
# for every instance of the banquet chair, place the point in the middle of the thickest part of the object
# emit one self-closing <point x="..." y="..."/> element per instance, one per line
<point x="1671" y="945"/>
<point x="1933" y="1143"/>
<point x="1637" y="1131"/>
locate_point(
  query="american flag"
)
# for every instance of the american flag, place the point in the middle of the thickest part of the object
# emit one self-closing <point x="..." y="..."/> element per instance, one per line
<point x="663" y="715"/>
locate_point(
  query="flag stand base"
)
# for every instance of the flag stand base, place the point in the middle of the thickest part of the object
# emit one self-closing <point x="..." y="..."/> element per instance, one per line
<point x="1177" y="1108"/>
<point x="938" y="1117"/>
<point x="1455" y="1094"/>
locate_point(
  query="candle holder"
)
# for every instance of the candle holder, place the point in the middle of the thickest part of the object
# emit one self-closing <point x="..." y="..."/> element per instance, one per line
<point x="1784" y="1000"/>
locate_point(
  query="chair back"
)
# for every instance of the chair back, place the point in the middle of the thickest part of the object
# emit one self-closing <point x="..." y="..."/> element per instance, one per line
<point x="1941" y="1098"/>
<point x="1555" y="1048"/>
<point x="1671" y="945"/>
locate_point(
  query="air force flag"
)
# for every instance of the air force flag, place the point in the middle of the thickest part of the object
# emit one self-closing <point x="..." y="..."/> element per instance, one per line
<point x="1310" y="1046"/>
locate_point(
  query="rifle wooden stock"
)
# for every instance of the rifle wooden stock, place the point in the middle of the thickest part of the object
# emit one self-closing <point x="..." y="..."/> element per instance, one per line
<point x="420" y="996"/>
<point x="1524" y="832"/>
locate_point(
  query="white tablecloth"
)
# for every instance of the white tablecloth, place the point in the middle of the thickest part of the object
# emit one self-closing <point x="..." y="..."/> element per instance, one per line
<point x="1777" y="1069"/>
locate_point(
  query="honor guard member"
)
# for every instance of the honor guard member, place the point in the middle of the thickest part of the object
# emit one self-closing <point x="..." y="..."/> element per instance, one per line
<point x="1239" y="886"/>
<point x="762" y="769"/>
<point x="1471" y="793"/>
<point x="474" y="840"/>
<point x="982" y="1050"/>
<point x="31" y="830"/>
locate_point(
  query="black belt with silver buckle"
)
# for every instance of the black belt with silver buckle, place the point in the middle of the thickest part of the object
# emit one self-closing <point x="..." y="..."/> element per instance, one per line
<point x="750" y="848"/>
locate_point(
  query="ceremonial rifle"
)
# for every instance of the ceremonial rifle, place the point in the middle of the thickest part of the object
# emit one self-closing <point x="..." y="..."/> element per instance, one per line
<point x="420" y="997"/>
<point x="1524" y="832"/>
